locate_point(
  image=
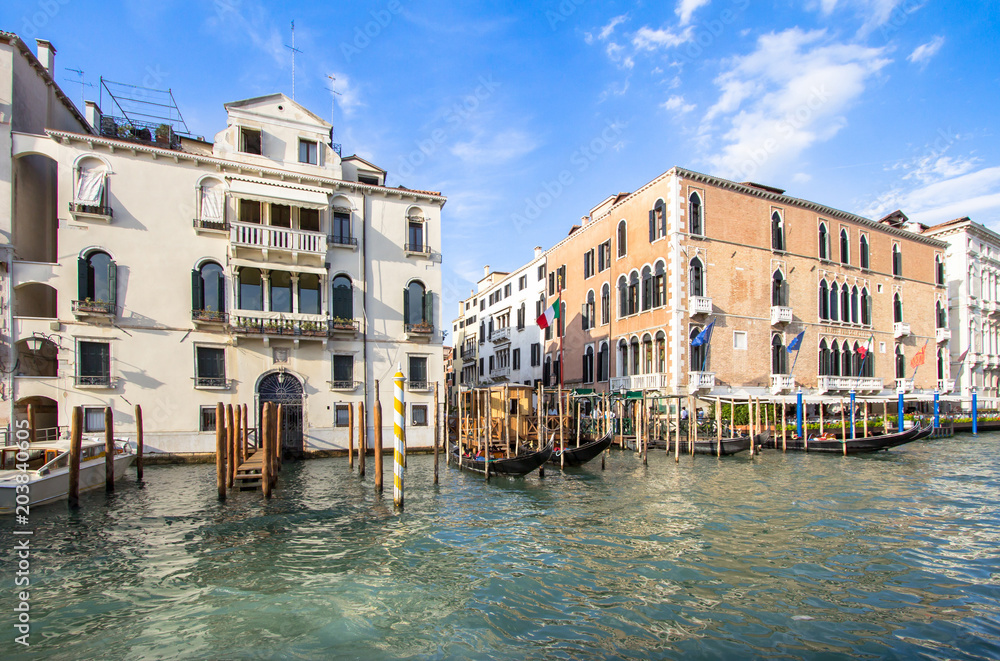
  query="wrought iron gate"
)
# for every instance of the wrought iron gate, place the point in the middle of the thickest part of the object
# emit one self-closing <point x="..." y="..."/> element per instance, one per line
<point x="285" y="389"/>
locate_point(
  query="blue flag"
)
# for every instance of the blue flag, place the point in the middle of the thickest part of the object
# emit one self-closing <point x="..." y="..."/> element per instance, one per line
<point x="704" y="337"/>
<point x="795" y="344"/>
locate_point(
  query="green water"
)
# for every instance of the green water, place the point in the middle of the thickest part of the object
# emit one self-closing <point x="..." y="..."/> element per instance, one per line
<point x="783" y="556"/>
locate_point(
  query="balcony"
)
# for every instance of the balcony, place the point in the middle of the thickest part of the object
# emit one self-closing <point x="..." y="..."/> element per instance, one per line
<point x="275" y="324"/>
<point x="419" y="386"/>
<point x="344" y="386"/>
<point x="342" y="241"/>
<point x="901" y="329"/>
<point x="500" y="336"/>
<point x="942" y="335"/>
<point x="209" y="318"/>
<point x="340" y="326"/>
<point x="991" y="307"/>
<point x="904" y="385"/>
<point x="974" y="357"/>
<point x="96" y="381"/>
<point x="212" y="383"/>
<point x="94" y="309"/>
<point x="421" y="332"/>
<point x="81" y="211"/>
<point x="210" y="225"/>
<point x="500" y="373"/>
<point x="264" y="238"/>
<point x="700" y="381"/>
<point x="417" y="250"/>
<point x="150" y="133"/>
<point x="782" y="383"/>
<point x="945" y="385"/>
<point x="847" y="383"/>
<point x="653" y="381"/>
<point x="468" y="352"/>
<point x="992" y="361"/>
<point x="780" y="314"/>
<point x="699" y="305"/>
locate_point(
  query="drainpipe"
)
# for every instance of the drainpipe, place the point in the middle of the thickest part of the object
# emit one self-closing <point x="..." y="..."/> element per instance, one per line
<point x="364" y="284"/>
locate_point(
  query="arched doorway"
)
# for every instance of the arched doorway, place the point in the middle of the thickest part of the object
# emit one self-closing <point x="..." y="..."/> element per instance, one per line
<point x="46" y="416"/>
<point x="285" y="389"/>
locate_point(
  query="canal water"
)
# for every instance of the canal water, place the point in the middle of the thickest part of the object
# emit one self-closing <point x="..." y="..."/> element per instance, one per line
<point x="785" y="556"/>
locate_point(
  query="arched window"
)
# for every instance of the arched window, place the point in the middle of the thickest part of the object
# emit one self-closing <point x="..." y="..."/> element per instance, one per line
<point x="938" y="270"/>
<point x="941" y="358"/>
<point x="251" y="289"/>
<point x="824" y="242"/>
<point x="897" y="260"/>
<point x="846" y="363"/>
<point x="657" y="221"/>
<point x="866" y="307"/>
<point x="588" y="365"/>
<point x="208" y="290"/>
<point x="867" y="362"/>
<point x="698" y="354"/>
<point x="854" y="304"/>
<point x="696" y="278"/>
<point x="309" y="293"/>
<point x="661" y="352"/>
<point x="779" y="289"/>
<point x="647" y="354"/>
<point x="835" y="359"/>
<point x="824" y="358"/>
<point x="622" y="235"/>
<point x="941" y="315"/>
<point x="834" y="300"/>
<point x="634" y="347"/>
<point x="605" y="303"/>
<point x="845" y="248"/>
<point x="777" y="232"/>
<point x="98" y="279"/>
<point x="697" y="224"/>
<point x="659" y="284"/>
<point x="546" y="370"/>
<point x="900" y="362"/>
<point x="845" y="303"/>
<point x="779" y="356"/>
<point x="647" y="288"/>
<point x="858" y="359"/>
<point x="280" y="288"/>
<point x="897" y="308"/>
<point x="342" y="300"/>
<point x="622" y="297"/>
<point x="824" y="300"/>
<point x="603" y="362"/>
<point x="417" y="305"/>
<point x="633" y="293"/>
<point x="589" y="318"/>
<point x="863" y="256"/>
<point x="622" y="357"/>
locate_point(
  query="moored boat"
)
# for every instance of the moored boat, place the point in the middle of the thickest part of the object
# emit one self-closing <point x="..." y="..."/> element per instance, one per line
<point x="858" y="445"/>
<point x="521" y="464"/>
<point x="729" y="446"/>
<point x="584" y="453"/>
<point x="47" y="470"/>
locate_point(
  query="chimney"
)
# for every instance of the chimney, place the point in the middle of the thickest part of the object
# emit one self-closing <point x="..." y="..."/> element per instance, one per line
<point x="486" y="270"/>
<point x="93" y="114"/>
<point x="538" y="252"/>
<point x="47" y="56"/>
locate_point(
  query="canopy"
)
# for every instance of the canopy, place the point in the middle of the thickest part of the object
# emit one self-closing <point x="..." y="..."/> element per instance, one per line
<point x="277" y="194"/>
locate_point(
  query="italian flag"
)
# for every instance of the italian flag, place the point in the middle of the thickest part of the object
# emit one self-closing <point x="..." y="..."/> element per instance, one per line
<point x="551" y="314"/>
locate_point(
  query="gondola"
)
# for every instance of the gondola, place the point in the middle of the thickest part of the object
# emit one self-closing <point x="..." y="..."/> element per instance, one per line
<point x="584" y="453"/>
<point x="859" y="445"/>
<point x="711" y="446"/>
<point x="522" y="464"/>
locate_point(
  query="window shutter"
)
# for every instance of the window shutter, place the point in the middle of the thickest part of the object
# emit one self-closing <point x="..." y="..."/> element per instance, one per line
<point x="83" y="278"/>
<point x="406" y="306"/>
<point x="196" y="290"/>
<point x="222" y="293"/>
<point x="113" y="286"/>
<point x="429" y="307"/>
<point x="652" y="225"/>
<point x="663" y="221"/>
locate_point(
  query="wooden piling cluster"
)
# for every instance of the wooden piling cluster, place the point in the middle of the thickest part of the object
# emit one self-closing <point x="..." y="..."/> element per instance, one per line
<point x="239" y="465"/>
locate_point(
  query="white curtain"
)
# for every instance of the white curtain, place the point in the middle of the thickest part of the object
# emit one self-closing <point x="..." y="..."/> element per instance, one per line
<point x="211" y="204"/>
<point x="90" y="186"/>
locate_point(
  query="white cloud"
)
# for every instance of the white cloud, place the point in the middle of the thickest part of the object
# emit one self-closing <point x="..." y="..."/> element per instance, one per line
<point x="801" y="177"/>
<point x="872" y="13"/>
<point x="494" y="147"/>
<point x="677" y="103"/>
<point x="785" y="96"/>
<point x="685" y="8"/>
<point x="238" y="22"/>
<point x="610" y="27"/>
<point x="616" y="53"/>
<point x="348" y="99"/>
<point x="923" y="53"/>
<point x="649" y="39"/>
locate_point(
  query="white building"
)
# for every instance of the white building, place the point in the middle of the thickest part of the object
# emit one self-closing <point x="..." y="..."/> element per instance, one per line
<point x="151" y="268"/>
<point x="972" y="267"/>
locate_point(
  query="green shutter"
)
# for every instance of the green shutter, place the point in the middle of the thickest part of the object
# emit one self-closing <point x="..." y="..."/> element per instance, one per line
<point x="222" y="293"/>
<point x="428" y="307"/>
<point x="113" y="286"/>
<point x="82" y="278"/>
<point x="196" y="293"/>
<point x="406" y="306"/>
<point x="652" y="226"/>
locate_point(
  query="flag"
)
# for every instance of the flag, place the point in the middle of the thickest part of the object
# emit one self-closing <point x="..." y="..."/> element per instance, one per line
<point x="863" y="351"/>
<point x="796" y="343"/>
<point x="551" y="314"/>
<point x="704" y="337"/>
<point x="919" y="357"/>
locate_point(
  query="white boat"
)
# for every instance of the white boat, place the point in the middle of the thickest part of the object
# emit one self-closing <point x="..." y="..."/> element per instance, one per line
<point x="48" y="470"/>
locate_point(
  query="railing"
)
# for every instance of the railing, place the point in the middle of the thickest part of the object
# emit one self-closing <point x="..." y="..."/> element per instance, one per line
<point x="780" y="314"/>
<point x="699" y="305"/>
<point x="417" y="385"/>
<point x="904" y="385"/>
<point x="211" y="224"/>
<point x="847" y="383"/>
<point x="499" y="372"/>
<point x="945" y="385"/>
<point x="782" y="383"/>
<point x="942" y="335"/>
<point x="91" y="209"/>
<point x="650" y="381"/>
<point x="345" y="385"/>
<point x="209" y="316"/>
<point x="211" y="382"/>
<point x="701" y="381"/>
<point x="468" y="353"/>
<point x="421" y="248"/>
<point x="500" y="335"/>
<point x="341" y="240"/>
<point x="901" y="329"/>
<point x="335" y="146"/>
<point x="93" y="307"/>
<point x="344" y="325"/>
<point x="247" y="325"/>
<point x="279" y="238"/>
<point x="105" y="380"/>
<point x="160" y="135"/>
<point x="423" y="328"/>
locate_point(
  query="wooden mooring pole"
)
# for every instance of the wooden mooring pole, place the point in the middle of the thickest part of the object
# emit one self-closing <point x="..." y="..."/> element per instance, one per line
<point x="377" y="422"/>
<point x="362" y="439"/>
<point x="279" y="435"/>
<point x="350" y="435"/>
<point x="220" y="450"/>
<point x="238" y="437"/>
<point x="542" y="425"/>
<point x="266" y="431"/>
<point x="138" y="442"/>
<point x="109" y="450"/>
<point x="230" y="446"/>
<point x="437" y="429"/>
<point x="32" y="428"/>
<point x="75" y="447"/>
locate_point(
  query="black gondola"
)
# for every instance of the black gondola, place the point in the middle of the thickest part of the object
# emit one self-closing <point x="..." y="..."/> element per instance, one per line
<point x="584" y="453"/>
<point x="859" y="445"/>
<point x="522" y="464"/>
<point x="711" y="446"/>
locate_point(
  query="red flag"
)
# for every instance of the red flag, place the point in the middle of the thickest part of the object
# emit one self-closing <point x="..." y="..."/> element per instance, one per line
<point x="919" y="357"/>
<point x="862" y="351"/>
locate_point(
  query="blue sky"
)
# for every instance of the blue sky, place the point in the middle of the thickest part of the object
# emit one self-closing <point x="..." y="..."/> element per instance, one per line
<point x="527" y="115"/>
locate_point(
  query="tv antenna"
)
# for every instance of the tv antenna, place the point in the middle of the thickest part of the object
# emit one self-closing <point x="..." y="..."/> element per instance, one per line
<point x="333" y="96"/>
<point x="83" y="86"/>
<point x="294" y="51"/>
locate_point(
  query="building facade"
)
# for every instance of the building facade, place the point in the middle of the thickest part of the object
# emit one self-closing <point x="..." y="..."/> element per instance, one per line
<point x="175" y="273"/>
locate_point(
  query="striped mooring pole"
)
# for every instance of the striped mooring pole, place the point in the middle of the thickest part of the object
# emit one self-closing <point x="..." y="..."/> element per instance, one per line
<point x="399" y="440"/>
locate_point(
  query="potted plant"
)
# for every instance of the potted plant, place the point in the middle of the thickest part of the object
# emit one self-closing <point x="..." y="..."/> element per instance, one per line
<point x="163" y="134"/>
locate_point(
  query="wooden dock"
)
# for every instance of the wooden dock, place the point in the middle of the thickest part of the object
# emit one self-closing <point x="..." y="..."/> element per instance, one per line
<point x="249" y="473"/>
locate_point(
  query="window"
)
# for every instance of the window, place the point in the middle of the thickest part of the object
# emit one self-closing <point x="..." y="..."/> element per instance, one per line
<point x="834" y="302"/>
<point x="659" y="285"/>
<point x="824" y="300"/>
<point x="647" y="288"/>
<point x="866" y="307"/>
<point x="622" y="297"/>
<point x="941" y="315"/>
<point x="897" y="260"/>
<point x="210" y="367"/>
<point x="93" y="365"/>
<point x="657" y="221"/>
<point x="694" y="211"/>
<point x="520" y="317"/>
<point x="341" y="227"/>
<point x="824" y="242"/>
<point x="250" y="212"/>
<point x="833" y="365"/>
<point x="561" y="277"/>
<point x="342" y="415"/>
<point x="343" y="371"/>
<point x="212" y="206"/>
<point x="604" y="256"/>
<point x="824" y="358"/>
<point x="779" y="357"/>
<point x="281" y="215"/>
<point x="699" y="354"/>
<point x="588" y="263"/>
<point x="418" y="415"/>
<point x="863" y="257"/>
<point x="308" y="152"/>
<point x="418" y="371"/>
<point x="854" y="304"/>
<point x="845" y="303"/>
<point x="97" y="280"/>
<point x="251" y="289"/>
<point x="309" y="297"/>
<point x="779" y="289"/>
<point x="622" y="357"/>
<point x="516" y="359"/>
<point x="588" y="365"/>
<point x="740" y="340"/>
<point x="342" y="298"/>
<point x="622" y="235"/>
<point x="280" y="288"/>
<point x="93" y="419"/>
<point x="541" y="272"/>
<point x="418" y="305"/>
<point x="309" y="220"/>
<point x="415" y="237"/>
<point x="777" y="232"/>
<point x="900" y="362"/>
<point x="369" y="179"/>
<point x="938" y="270"/>
<point x="250" y="141"/>
<point x="552" y="284"/>
<point x="845" y="247"/>
<point x="506" y="290"/>
<point x="633" y="293"/>
<point x="536" y="354"/>
<point x="91" y="186"/>
<point x="897" y="308"/>
<point x="696" y="278"/>
<point x="661" y="352"/>
<point x="603" y="362"/>
<point x="605" y="303"/>
<point x="522" y="283"/>
<point x="589" y="318"/>
<point x="206" y="419"/>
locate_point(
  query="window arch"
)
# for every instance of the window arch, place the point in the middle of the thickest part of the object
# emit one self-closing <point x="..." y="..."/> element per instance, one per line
<point x="900" y="362"/>
<point x="603" y="362"/>
<point x="698" y="353"/>
<point x="588" y="365"/>
<point x="938" y="270"/>
<point x="659" y="284"/>
<point x="633" y="292"/>
<point x="824" y="358"/>
<point x="417" y="304"/>
<point x="342" y="299"/>
<point x="208" y="290"/>
<point x="845" y="247"/>
<point x="824" y="300"/>
<point x="647" y="288"/>
<point x="777" y="232"/>
<point x="897" y="308"/>
<point x="845" y="303"/>
<point x="846" y="360"/>
<point x="605" y="303"/>
<point x="940" y="315"/>
<point x="661" y="352"/>
<point x="589" y="312"/>
<point x="824" y="242"/>
<point x="98" y="278"/>
<point x="863" y="254"/>
<point x="835" y="359"/>
<point x="648" y="366"/>
<point x="622" y="357"/>
<point x="622" y="296"/>
<point x="854" y="304"/>
<point x="779" y="289"/>
<point x="696" y="277"/>
<point x="90" y="193"/>
<point x="897" y="260"/>
<point x="834" y="302"/>
<point x="634" y="352"/>
<point x="867" y="361"/>
<point x="697" y="222"/>
<point x="622" y="236"/>
<point x="779" y="356"/>
<point x="866" y="307"/>
<point x="942" y="358"/>
<point x="657" y="221"/>
<point x="310" y="299"/>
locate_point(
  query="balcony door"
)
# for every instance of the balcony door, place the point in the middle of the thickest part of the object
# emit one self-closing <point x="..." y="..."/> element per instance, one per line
<point x="285" y="389"/>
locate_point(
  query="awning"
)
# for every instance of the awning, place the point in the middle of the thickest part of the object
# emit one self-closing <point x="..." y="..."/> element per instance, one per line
<point x="272" y="266"/>
<point x="276" y="194"/>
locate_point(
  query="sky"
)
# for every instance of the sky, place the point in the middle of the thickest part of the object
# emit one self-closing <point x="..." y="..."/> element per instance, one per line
<point x="526" y="115"/>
